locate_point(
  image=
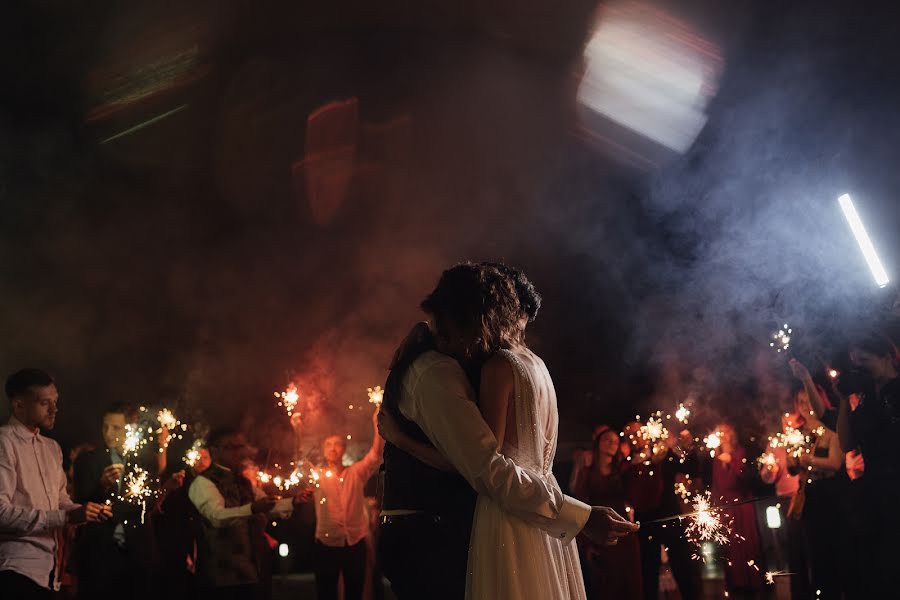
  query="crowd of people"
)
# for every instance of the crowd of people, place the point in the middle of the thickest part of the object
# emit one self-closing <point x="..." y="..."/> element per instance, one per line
<point x="837" y="491"/>
<point x="202" y="531"/>
<point x="469" y="504"/>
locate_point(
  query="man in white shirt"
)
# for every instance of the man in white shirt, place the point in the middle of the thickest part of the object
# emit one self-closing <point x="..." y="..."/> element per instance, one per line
<point x="34" y="504"/>
<point x="342" y="519"/>
<point x="233" y="520"/>
<point x="426" y="520"/>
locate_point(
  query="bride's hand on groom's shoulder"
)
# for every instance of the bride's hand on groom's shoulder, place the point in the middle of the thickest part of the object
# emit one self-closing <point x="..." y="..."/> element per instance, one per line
<point x="605" y="526"/>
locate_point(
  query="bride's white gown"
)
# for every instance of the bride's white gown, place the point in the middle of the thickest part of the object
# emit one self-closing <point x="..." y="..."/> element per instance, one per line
<point x="508" y="558"/>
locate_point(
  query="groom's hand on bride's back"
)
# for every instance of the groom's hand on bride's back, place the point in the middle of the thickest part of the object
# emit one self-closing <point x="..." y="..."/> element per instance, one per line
<point x="605" y="526"/>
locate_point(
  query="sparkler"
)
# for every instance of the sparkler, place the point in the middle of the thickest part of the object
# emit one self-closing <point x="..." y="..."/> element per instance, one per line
<point x="862" y="238"/>
<point x="771" y="575"/>
<point x="713" y="441"/>
<point x="193" y="454"/>
<point x="706" y="523"/>
<point x="136" y="489"/>
<point x="793" y="440"/>
<point x="376" y="395"/>
<point x="682" y="414"/>
<point x="289" y="399"/>
<point x="781" y="339"/>
<point x="767" y="459"/>
<point x="682" y="490"/>
<point x="167" y="419"/>
<point x="134" y="440"/>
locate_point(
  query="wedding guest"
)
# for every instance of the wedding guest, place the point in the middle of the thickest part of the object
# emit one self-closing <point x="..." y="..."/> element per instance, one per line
<point x="731" y="483"/>
<point x="233" y="517"/>
<point x="176" y="528"/>
<point x="874" y="428"/>
<point x="613" y="571"/>
<point x="824" y="486"/>
<point x="790" y="534"/>
<point x="34" y="504"/>
<point x="111" y="556"/>
<point x="650" y="490"/>
<point x="342" y="521"/>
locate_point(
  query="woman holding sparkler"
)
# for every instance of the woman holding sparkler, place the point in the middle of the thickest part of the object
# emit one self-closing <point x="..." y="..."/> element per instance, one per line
<point x="614" y="571"/>
<point x="730" y="484"/>
<point x="821" y="491"/>
<point x="773" y="469"/>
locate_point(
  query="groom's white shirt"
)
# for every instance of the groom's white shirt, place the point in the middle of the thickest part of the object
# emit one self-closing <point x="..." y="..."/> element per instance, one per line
<point x="438" y="397"/>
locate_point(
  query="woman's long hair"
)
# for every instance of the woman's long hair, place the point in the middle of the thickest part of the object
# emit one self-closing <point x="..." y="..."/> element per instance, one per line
<point x="477" y="299"/>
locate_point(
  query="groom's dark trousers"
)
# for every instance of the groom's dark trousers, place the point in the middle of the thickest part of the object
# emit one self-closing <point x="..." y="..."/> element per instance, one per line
<point x="425" y="556"/>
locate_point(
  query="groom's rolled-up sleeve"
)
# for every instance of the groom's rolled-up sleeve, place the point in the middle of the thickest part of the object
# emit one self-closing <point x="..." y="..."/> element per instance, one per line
<point x="438" y="397"/>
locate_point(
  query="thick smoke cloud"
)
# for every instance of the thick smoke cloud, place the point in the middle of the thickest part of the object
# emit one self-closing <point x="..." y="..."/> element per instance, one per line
<point x="182" y="263"/>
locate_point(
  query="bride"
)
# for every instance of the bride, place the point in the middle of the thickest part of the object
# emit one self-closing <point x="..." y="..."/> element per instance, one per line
<point x="508" y="558"/>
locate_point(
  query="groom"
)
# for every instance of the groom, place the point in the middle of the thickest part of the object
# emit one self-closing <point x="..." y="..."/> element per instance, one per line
<point x="427" y="513"/>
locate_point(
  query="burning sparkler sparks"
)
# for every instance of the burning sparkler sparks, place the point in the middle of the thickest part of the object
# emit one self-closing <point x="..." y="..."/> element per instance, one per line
<point x="136" y="489"/>
<point x="193" y="454"/>
<point x="713" y="441"/>
<point x="134" y="440"/>
<point x="706" y="523"/>
<point x="767" y="459"/>
<point x="288" y="399"/>
<point x="781" y="339"/>
<point x="793" y="440"/>
<point x="167" y="419"/>
<point x="376" y="395"/>
<point x="683" y="490"/>
<point x="771" y="575"/>
<point x="682" y="414"/>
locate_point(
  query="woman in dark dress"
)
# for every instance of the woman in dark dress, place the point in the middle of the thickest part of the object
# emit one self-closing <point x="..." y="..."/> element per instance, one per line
<point x="731" y="476"/>
<point x="614" y="571"/>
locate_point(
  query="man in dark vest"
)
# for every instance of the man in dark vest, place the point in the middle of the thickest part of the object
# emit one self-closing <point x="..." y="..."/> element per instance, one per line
<point x="233" y="518"/>
<point x="427" y="512"/>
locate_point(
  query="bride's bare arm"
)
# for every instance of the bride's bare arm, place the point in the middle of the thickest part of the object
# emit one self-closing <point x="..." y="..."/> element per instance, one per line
<point x="497" y="387"/>
<point x="390" y="431"/>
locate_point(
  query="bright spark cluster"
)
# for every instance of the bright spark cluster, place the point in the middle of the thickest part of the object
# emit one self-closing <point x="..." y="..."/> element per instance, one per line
<point x="288" y="399"/>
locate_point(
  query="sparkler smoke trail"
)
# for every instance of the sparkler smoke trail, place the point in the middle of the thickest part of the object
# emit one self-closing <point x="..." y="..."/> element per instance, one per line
<point x="740" y="217"/>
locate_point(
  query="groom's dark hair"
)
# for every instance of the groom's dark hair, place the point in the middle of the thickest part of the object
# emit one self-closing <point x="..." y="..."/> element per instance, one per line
<point x="475" y="296"/>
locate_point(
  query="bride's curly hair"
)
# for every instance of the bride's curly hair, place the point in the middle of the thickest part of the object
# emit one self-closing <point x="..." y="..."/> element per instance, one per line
<point x="478" y="299"/>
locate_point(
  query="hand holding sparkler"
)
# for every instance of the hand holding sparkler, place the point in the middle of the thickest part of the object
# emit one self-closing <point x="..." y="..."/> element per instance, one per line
<point x="264" y="505"/>
<point x="91" y="512"/>
<point x="605" y="526"/>
<point x="109" y="478"/>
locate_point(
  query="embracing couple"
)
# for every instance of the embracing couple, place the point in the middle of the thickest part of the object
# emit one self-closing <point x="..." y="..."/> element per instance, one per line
<point x="471" y="507"/>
